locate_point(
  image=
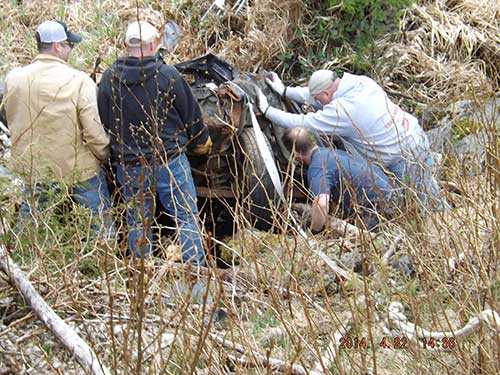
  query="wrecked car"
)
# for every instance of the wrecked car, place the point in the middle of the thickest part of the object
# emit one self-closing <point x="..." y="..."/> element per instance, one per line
<point x="237" y="167"/>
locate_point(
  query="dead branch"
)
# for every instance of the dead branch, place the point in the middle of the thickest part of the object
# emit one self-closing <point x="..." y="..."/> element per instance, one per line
<point x="343" y="228"/>
<point x="339" y="226"/>
<point x="258" y="359"/>
<point x="398" y="324"/>
<point x="84" y="355"/>
<point x="341" y="273"/>
<point x="392" y="249"/>
<point x="273" y="364"/>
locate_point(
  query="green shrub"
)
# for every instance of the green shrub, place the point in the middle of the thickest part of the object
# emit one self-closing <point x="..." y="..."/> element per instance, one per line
<point x="344" y="32"/>
<point x="360" y="22"/>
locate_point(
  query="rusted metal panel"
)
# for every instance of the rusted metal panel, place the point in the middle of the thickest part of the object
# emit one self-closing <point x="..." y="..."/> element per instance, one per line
<point x="218" y="193"/>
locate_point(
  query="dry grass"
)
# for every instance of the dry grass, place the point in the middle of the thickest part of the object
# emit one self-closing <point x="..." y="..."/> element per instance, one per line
<point x="445" y="49"/>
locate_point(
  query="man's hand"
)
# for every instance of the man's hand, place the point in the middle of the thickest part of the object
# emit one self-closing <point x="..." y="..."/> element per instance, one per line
<point x="205" y="148"/>
<point x="262" y="102"/>
<point x="319" y="212"/>
<point x="275" y="83"/>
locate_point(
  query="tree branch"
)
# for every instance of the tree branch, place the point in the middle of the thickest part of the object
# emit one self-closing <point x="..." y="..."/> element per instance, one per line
<point x="84" y="355"/>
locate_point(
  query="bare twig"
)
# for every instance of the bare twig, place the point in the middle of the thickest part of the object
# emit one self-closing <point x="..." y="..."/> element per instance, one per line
<point x="333" y="349"/>
<point x="392" y="249"/>
<point x="257" y="358"/>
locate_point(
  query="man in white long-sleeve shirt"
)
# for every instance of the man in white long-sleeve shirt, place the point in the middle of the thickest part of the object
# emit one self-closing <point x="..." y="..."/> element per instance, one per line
<point x="358" y="111"/>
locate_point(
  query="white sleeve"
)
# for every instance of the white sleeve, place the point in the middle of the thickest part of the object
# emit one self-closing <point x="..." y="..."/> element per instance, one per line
<point x="297" y="94"/>
<point x="330" y="120"/>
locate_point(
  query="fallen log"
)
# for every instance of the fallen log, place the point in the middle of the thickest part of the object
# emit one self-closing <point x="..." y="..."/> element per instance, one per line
<point x="397" y="324"/>
<point x="84" y="355"/>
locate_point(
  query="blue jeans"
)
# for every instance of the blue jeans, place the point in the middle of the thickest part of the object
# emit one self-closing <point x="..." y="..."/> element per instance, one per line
<point x="175" y="187"/>
<point x="92" y="193"/>
<point x="354" y="183"/>
<point x="415" y="171"/>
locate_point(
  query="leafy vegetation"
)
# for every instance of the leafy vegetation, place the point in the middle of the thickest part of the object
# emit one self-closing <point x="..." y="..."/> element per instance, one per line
<point x="343" y="33"/>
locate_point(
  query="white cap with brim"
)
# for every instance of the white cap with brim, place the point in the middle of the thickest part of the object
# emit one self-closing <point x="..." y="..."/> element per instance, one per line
<point x="140" y="33"/>
<point x="56" y="31"/>
<point x="320" y="81"/>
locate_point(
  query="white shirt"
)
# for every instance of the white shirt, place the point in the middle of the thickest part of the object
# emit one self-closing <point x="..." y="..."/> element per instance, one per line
<point x="363" y="116"/>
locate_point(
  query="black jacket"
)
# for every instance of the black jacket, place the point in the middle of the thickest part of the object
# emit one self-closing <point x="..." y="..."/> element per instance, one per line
<point x="149" y="110"/>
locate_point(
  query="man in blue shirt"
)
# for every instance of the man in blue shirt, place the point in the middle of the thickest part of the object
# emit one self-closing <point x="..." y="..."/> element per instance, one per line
<point x="357" y="187"/>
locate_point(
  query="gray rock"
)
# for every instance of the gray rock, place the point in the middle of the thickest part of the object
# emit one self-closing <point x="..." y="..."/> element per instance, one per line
<point x="472" y="147"/>
<point x="352" y="260"/>
<point x="404" y="265"/>
<point x="485" y="112"/>
<point x="6" y="174"/>
<point x="477" y="119"/>
<point x="440" y="138"/>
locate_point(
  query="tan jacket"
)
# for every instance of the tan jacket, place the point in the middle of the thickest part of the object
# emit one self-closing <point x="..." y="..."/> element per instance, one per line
<point x="54" y="121"/>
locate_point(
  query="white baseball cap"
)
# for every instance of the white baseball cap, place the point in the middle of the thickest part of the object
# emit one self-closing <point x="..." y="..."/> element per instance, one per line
<point x="140" y="33"/>
<point x="56" y="31"/>
<point x="320" y="81"/>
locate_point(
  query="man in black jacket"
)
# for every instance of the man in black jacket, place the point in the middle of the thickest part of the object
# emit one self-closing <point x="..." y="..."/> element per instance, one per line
<point x="152" y="116"/>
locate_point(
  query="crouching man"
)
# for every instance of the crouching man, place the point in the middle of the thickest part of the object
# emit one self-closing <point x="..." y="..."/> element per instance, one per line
<point x="356" y="186"/>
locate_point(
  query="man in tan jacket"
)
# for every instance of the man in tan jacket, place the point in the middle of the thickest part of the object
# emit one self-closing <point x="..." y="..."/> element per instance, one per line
<point x="54" y="123"/>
